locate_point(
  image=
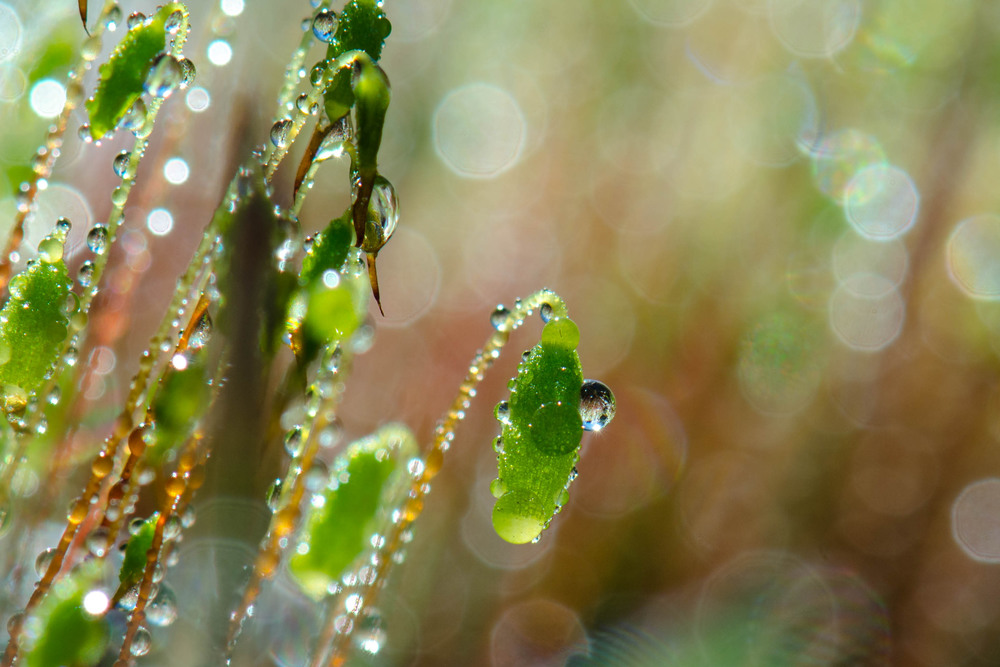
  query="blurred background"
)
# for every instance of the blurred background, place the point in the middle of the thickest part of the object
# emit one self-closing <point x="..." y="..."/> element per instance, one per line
<point x="777" y="225"/>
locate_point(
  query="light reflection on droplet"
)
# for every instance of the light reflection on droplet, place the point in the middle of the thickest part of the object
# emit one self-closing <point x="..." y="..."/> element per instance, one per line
<point x="479" y="130"/>
<point x="853" y="254"/>
<point x="975" y="520"/>
<point x="670" y="13"/>
<point x="47" y="98"/>
<point x="198" y="99"/>
<point x="10" y="32"/>
<point x="838" y="156"/>
<point x="160" y="221"/>
<point x="95" y="602"/>
<point x="867" y="312"/>
<point x="219" y="52"/>
<point x="176" y="170"/>
<point x="974" y="256"/>
<point x="814" y="28"/>
<point x="881" y="202"/>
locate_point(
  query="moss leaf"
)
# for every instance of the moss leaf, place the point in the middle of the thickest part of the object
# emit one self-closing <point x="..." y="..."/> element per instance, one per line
<point x="362" y="25"/>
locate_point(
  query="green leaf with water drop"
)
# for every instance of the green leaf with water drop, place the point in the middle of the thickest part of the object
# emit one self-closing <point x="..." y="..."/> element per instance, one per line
<point x="367" y="481"/>
<point x="123" y="75"/>
<point x="362" y="26"/>
<point x="33" y="324"/>
<point x="136" y="549"/>
<point x="371" y="101"/>
<point x="541" y="435"/>
<point x="328" y="251"/>
<point x="69" y="634"/>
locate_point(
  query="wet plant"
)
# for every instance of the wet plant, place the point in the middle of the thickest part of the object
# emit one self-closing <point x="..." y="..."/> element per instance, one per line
<point x="259" y="307"/>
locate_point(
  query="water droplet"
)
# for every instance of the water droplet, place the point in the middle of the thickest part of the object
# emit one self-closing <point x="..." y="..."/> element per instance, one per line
<point x="597" y="405"/>
<point x="71" y="356"/>
<point x="63" y="225"/>
<point x="97" y="239"/>
<point x="291" y="239"/>
<point x="324" y="26"/>
<point x="498" y="444"/>
<point x="293" y="441"/>
<point x="498" y="318"/>
<point x="135" y="118"/>
<point x="90" y="48"/>
<point x="188" y="516"/>
<point x="303" y="105"/>
<point x="545" y="312"/>
<point x="141" y="642"/>
<point x="280" y="133"/>
<point x="415" y="467"/>
<point x="85" y="273"/>
<point x="162" y="611"/>
<point x="330" y="434"/>
<point x="502" y="412"/>
<point x="120" y="164"/>
<point x="135" y="525"/>
<point x="317" y="477"/>
<point x="50" y="249"/>
<point x="135" y="19"/>
<point x="383" y="214"/>
<point x="44" y="560"/>
<point x="497" y="488"/>
<point x="201" y="333"/>
<point x="173" y="22"/>
<point x="113" y="18"/>
<point x="274" y="495"/>
<point x="316" y="73"/>
<point x="188" y="73"/>
<point x="164" y="75"/>
<point x="98" y="541"/>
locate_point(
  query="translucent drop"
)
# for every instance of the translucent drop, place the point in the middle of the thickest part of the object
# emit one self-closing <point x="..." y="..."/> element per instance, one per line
<point x="120" y="164"/>
<point x="113" y="18"/>
<point x="330" y="434"/>
<point x="324" y="26"/>
<point x="291" y="239"/>
<point x="135" y="525"/>
<point x="173" y="22"/>
<point x="502" y="412"/>
<point x="293" y="441"/>
<point x="71" y="356"/>
<point x="98" y="542"/>
<point x="129" y="600"/>
<point x="545" y="312"/>
<point x="202" y="332"/>
<point x="317" y="477"/>
<point x="97" y="239"/>
<point x="383" y="214"/>
<point x="316" y="73"/>
<point x="274" y="495"/>
<point x="63" y="226"/>
<point x="50" y="249"/>
<point x="164" y="75"/>
<point x="498" y="318"/>
<point x="44" y="560"/>
<point x="135" y="19"/>
<point x="162" y="611"/>
<point x="597" y="405"/>
<point x="141" y="642"/>
<point x="188" y="73"/>
<point x="498" y="444"/>
<point x="497" y="488"/>
<point x="85" y="273"/>
<point x="303" y="105"/>
<point x="135" y="118"/>
<point x="280" y="133"/>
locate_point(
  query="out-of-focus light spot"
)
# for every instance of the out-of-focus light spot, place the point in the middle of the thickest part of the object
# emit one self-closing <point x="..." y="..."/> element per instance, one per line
<point x="176" y="170"/>
<point x="102" y="360"/>
<point x="179" y="362"/>
<point x="95" y="602"/>
<point x="778" y="366"/>
<point x="413" y="21"/>
<point x="772" y="117"/>
<point x="10" y="32"/>
<point x="853" y="254"/>
<point x="479" y="130"/>
<point x="160" y="221"/>
<point x="867" y="312"/>
<point x="47" y="98"/>
<point x="198" y="99"/>
<point x="670" y="13"/>
<point x="232" y="7"/>
<point x="975" y="520"/>
<point x="814" y="28"/>
<point x="13" y="83"/>
<point x="881" y="202"/>
<point x="839" y="156"/>
<point x="219" y="52"/>
<point x="974" y="256"/>
<point x="894" y="471"/>
<point x="537" y="632"/>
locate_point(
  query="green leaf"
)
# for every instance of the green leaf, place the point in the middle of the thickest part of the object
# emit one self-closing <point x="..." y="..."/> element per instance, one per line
<point x="69" y="634"/>
<point x="33" y="324"/>
<point x="138" y="546"/>
<point x="371" y="98"/>
<point x="180" y="403"/>
<point x="329" y="250"/>
<point x="362" y="26"/>
<point x="122" y="77"/>
<point x="366" y="482"/>
<point x="541" y="435"/>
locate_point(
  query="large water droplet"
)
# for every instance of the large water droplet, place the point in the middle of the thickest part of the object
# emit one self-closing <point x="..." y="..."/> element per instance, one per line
<point x="97" y="239"/>
<point x="162" y="611"/>
<point x="202" y="332"/>
<point x="113" y="18"/>
<point x="44" y="560"/>
<point x="498" y="318"/>
<point x="173" y="22"/>
<point x="293" y="441"/>
<point x="120" y="164"/>
<point x="50" y="249"/>
<point x="280" y="133"/>
<point x="383" y="214"/>
<point x="188" y="73"/>
<point x="597" y="405"/>
<point x="165" y="74"/>
<point x="135" y="118"/>
<point x="141" y="642"/>
<point x="324" y="25"/>
<point x="502" y="412"/>
<point x="545" y="312"/>
<point x="135" y="19"/>
<point x="85" y="273"/>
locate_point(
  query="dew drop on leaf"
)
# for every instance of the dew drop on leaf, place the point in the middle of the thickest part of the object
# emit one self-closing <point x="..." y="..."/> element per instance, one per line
<point x="324" y="26"/>
<point x="502" y="412"/>
<point x="280" y="132"/>
<point x="135" y="19"/>
<point x="597" y="405"/>
<point x="85" y="273"/>
<point x="164" y="75"/>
